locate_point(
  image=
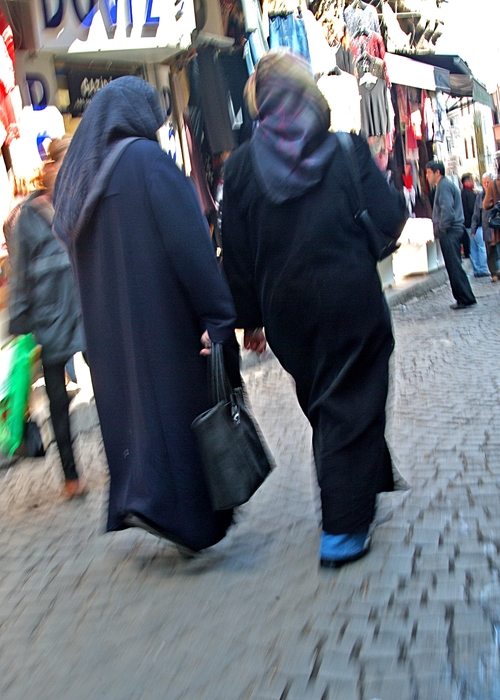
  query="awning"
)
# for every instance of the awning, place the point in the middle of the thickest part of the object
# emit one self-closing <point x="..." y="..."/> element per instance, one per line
<point x="461" y="81"/>
<point x="404" y="71"/>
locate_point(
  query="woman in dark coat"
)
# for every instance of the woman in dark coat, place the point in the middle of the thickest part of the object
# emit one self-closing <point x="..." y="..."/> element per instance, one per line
<point x="43" y="301"/>
<point x="150" y="287"/>
<point x="298" y="265"/>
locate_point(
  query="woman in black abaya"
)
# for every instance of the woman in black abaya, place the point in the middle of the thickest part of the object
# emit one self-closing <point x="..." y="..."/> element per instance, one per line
<point x="150" y="288"/>
<point x="298" y="265"/>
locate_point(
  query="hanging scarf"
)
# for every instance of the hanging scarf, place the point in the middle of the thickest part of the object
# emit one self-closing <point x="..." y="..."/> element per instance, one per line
<point x="126" y="107"/>
<point x="291" y="148"/>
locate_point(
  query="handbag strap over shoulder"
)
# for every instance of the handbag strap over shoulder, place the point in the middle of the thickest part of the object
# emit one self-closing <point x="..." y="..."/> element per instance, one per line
<point x="496" y="190"/>
<point x="347" y="147"/>
<point x="219" y="383"/>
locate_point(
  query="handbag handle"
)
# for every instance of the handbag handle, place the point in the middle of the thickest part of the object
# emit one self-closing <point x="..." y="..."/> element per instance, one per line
<point x="219" y="383"/>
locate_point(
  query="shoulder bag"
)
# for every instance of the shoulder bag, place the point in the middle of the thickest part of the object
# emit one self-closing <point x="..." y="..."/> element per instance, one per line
<point x="494" y="217"/>
<point x="380" y="245"/>
<point x="235" y="457"/>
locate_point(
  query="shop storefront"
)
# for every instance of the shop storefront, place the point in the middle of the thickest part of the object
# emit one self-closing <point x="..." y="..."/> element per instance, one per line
<point x="199" y="56"/>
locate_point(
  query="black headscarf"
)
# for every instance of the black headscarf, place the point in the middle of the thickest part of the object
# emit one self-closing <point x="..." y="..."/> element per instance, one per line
<point x="126" y="107"/>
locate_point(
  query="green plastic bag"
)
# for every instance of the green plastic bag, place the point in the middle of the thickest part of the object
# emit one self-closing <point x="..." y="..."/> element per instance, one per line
<point x="17" y="360"/>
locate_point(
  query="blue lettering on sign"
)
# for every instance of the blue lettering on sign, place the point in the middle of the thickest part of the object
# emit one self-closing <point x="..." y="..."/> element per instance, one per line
<point x="52" y="20"/>
<point x="38" y="90"/>
<point x="151" y="24"/>
<point x="39" y="144"/>
<point x="85" y="11"/>
<point x="109" y="12"/>
<point x="87" y="15"/>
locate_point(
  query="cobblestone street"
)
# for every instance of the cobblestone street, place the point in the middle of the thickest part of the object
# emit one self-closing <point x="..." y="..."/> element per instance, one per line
<point x="86" y="615"/>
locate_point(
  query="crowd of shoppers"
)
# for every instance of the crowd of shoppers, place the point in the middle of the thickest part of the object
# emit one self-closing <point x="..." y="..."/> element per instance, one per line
<point x="300" y="276"/>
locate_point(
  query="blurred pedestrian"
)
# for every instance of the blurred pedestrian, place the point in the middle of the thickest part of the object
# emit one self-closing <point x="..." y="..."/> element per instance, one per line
<point x="448" y="220"/>
<point x="476" y="243"/>
<point x="298" y="264"/>
<point x="43" y="301"/>
<point x="480" y="228"/>
<point x="491" y="197"/>
<point x="150" y="288"/>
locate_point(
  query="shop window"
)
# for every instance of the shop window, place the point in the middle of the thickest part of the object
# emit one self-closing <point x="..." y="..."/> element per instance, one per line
<point x="466" y="149"/>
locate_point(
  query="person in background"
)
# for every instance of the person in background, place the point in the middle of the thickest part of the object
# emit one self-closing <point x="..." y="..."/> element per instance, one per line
<point x="491" y="197"/>
<point x="448" y="220"/>
<point x="43" y="301"/>
<point x="480" y="228"/>
<point x="152" y="298"/>
<point x="298" y="264"/>
<point x="477" y="246"/>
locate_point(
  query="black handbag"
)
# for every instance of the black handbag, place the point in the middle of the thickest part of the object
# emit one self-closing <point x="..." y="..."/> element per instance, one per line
<point x="31" y="444"/>
<point x="380" y="245"/>
<point x="235" y="457"/>
<point x="494" y="217"/>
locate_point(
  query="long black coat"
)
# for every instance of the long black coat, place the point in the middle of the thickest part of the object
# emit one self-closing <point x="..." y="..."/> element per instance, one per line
<point x="149" y="286"/>
<point x="303" y="270"/>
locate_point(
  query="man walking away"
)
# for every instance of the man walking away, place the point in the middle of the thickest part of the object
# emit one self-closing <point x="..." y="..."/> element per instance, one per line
<point x="476" y="242"/>
<point x="448" y="220"/>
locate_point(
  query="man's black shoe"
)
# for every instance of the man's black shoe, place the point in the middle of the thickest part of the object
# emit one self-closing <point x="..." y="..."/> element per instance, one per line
<point x="459" y="305"/>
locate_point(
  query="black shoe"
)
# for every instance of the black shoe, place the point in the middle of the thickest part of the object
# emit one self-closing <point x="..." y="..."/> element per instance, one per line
<point x="459" y="305"/>
<point x="482" y="274"/>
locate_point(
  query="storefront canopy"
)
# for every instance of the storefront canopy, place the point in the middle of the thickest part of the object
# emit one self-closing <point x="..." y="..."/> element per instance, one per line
<point x="404" y="71"/>
<point x="461" y="81"/>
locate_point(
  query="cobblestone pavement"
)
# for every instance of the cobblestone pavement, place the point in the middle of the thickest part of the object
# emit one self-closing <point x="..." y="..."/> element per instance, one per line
<point x="86" y="615"/>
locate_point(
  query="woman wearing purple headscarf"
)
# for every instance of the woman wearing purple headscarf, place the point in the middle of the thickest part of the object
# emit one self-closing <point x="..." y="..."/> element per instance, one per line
<point x="150" y="288"/>
<point x="299" y="265"/>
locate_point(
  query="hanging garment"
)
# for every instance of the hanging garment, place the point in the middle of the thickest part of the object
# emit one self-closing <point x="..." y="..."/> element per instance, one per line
<point x="7" y="83"/>
<point x="214" y="103"/>
<point x="372" y="44"/>
<point x="256" y="45"/>
<point x="322" y="54"/>
<point x="235" y="71"/>
<point x="344" y="59"/>
<point x="198" y="175"/>
<point x="375" y="118"/>
<point x="342" y="94"/>
<point x="289" y="31"/>
<point x="360" y="20"/>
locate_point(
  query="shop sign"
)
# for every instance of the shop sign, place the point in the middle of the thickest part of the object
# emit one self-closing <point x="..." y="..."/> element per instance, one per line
<point x="83" y="85"/>
<point x="53" y="12"/>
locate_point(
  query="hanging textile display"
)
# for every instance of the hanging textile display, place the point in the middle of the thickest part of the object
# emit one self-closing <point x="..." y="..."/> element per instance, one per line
<point x="8" y="126"/>
<point x="256" y="44"/>
<point x="341" y="92"/>
<point x="214" y="102"/>
<point x="361" y="17"/>
<point x="286" y="26"/>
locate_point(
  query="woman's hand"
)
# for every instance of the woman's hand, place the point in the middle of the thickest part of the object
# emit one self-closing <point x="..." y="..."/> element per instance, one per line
<point x="255" y="340"/>
<point x="207" y="344"/>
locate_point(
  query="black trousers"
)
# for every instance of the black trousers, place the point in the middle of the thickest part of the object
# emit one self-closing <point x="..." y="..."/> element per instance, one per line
<point x="492" y="259"/>
<point x="55" y="386"/>
<point x="459" y="282"/>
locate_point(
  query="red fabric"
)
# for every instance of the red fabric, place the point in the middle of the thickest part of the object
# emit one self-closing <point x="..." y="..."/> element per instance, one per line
<point x="408" y="181"/>
<point x="7" y="80"/>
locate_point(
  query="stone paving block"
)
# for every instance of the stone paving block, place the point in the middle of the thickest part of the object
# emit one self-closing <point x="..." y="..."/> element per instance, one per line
<point x="393" y="687"/>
